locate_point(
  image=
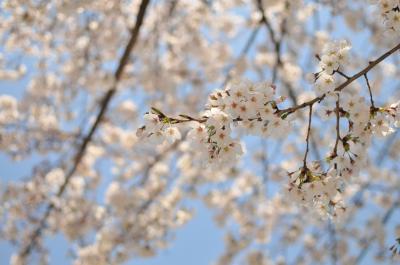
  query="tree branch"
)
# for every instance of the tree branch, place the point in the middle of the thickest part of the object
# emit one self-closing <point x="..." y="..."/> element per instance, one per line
<point x="104" y="103"/>
<point x="275" y="41"/>
<point x="339" y="88"/>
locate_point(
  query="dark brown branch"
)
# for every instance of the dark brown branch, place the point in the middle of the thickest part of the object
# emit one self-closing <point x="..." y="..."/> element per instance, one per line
<point x="104" y="103"/>
<point x="133" y="40"/>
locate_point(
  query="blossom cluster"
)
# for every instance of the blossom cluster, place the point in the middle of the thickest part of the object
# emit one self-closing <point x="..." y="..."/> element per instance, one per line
<point x="253" y="109"/>
<point x="8" y="109"/>
<point x="322" y="191"/>
<point x="247" y="106"/>
<point x="157" y="130"/>
<point x="318" y="191"/>
<point x="334" y="56"/>
<point x="390" y="11"/>
<point x="364" y="121"/>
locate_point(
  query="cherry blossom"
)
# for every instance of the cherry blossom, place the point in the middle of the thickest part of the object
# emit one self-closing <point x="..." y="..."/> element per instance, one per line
<point x="129" y="119"/>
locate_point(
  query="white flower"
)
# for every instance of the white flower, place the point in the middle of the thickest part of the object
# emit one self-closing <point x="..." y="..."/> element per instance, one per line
<point x="343" y="54"/>
<point x="198" y="133"/>
<point x="324" y="84"/>
<point x="334" y="54"/>
<point x="55" y="178"/>
<point x="353" y="104"/>
<point x="221" y="137"/>
<point x="329" y="63"/>
<point x="76" y="186"/>
<point x="396" y="119"/>
<point x="172" y="134"/>
<point x="232" y="106"/>
<point x="115" y="195"/>
<point x="182" y="216"/>
<point x="128" y="109"/>
<point x="342" y="161"/>
<point x="7" y="103"/>
<point x="246" y="110"/>
<point x="252" y="127"/>
<point x="230" y="153"/>
<point x="278" y="127"/>
<point x="256" y="100"/>
<point x="326" y="113"/>
<point x="156" y="137"/>
<point x="393" y="20"/>
<point x="381" y="125"/>
<point x="267" y="112"/>
<point x="387" y="5"/>
<point x="152" y="122"/>
<point x="216" y="99"/>
<point x="91" y="255"/>
<point x="239" y="89"/>
<point x="330" y="48"/>
<point x="295" y="194"/>
<point x="266" y="89"/>
<point x="217" y="118"/>
<point x="330" y="185"/>
<point x="360" y="114"/>
<point x="312" y="189"/>
<point x="8" y="109"/>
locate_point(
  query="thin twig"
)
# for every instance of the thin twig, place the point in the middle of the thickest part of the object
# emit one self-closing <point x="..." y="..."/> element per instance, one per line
<point x="308" y="136"/>
<point x="342" y="74"/>
<point x="370" y="91"/>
